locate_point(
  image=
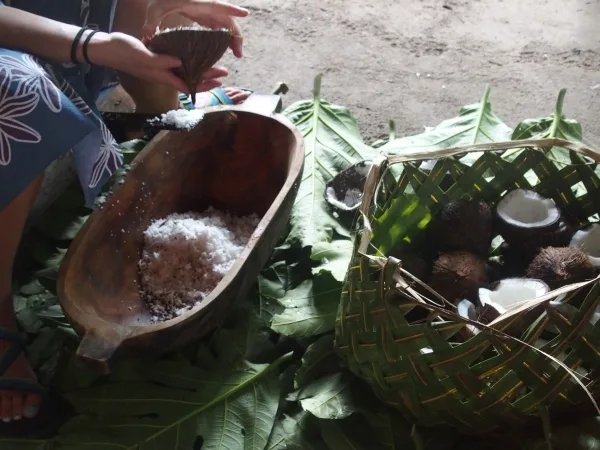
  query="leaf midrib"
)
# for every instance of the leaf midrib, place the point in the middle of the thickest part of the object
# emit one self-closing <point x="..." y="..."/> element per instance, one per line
<point x="204" y="407"/>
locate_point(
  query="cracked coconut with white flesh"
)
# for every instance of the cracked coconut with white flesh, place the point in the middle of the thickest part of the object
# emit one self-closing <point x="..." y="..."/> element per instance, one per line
<point x="588" y="240"/>
<point x="512" y="292"/>
<point x="185" y="256"/>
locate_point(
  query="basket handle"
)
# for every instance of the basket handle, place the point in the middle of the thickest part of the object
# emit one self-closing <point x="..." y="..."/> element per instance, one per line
<point x="381" y="162"/>
<point x="374" y="176"/>
<point x="265" y="104"/>
<point x="436" y="153"/>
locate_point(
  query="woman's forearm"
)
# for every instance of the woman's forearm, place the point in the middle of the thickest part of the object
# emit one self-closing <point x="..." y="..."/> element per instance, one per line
<point x="38" y="35"/>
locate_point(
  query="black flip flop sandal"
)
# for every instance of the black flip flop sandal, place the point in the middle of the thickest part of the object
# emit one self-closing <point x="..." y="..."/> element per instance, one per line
<point x="24" y="426"/>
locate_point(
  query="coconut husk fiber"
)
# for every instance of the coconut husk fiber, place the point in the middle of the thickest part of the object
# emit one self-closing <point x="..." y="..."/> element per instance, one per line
<point x="198" y="48"/>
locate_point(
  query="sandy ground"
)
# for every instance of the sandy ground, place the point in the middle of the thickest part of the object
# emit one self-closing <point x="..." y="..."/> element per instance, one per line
<point x="420" y="61"/>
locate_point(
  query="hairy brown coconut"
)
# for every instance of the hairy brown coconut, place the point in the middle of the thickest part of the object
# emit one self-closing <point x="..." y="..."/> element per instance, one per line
<point x="198" y="48"/>
<point x="463" y="225"/>
<point x="561" y="266"/>
<point x="459" y="275"/>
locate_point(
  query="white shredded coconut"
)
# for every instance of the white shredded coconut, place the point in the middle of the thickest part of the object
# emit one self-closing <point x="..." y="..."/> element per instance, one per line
<point x="183" y="118"/>
<point x="185" y="256"/>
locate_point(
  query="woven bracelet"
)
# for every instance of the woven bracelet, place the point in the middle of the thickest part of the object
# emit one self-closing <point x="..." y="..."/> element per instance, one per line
<point x="85" y="46"/>
<point x="75" y="44"/>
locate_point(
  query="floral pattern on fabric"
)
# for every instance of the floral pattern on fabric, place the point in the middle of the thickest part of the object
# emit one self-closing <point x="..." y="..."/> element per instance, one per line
<point x="11" y="109"/>
<point x="47" y="110"/>
<point x="31" y="77"/>
<point x="109" y="158"/>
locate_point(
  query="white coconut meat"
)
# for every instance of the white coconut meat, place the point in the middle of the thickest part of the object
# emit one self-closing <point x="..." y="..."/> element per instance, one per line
<point x="467" y="310"/>
<point x="511" y="293"/>
<point x="527" y="209"/>
<point x="588" y="240"/>
<point x="351" y="199"/>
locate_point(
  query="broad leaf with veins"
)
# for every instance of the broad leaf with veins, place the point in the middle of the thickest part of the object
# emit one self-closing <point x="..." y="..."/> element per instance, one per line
<point x="332" y="143"/>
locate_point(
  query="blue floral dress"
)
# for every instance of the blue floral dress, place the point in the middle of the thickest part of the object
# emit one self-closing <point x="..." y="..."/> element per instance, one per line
<point x="47" y="110"/>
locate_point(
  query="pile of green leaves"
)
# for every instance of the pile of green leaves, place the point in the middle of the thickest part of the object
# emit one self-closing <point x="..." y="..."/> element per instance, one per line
<point x="268" y="378"/>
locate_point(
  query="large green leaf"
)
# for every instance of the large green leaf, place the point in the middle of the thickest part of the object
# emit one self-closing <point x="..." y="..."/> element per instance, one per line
<point x="475" y="124"/>
<point x="293" y="433"/>
<point x="246" y="334"/>
<point x="554" y="126"/>
<point x="318" y="360"/>
<point x="310" y="308"/>
<point x="332" y="143"/>
<point x="329" y="397"/>
<point x="558" y="126"/>
<point x="243" y="422"/>
<point x="342" y="435"/>
<point x="158" y="405"/>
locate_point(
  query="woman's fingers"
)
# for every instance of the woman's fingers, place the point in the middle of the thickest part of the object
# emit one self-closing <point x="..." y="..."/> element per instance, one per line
<point x="164" y="61"/>
<point x="210" y="79"/>
<point x="195" y="10"/>
<point x="237" y="41"/>
<point x="207" y="85"/>
<point x="215" y="72"/>
<point x="218" y="8"/>
<point x="169" y="78"/>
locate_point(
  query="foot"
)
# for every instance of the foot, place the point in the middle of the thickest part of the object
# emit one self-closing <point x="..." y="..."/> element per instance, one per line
<point x="15" y="405"/>
<point x="236" y="95"/>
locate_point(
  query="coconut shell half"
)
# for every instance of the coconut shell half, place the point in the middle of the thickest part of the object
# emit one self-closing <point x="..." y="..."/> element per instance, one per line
<point x="528" y="221"/>
<point x="344" y="192"/>
<point x="198" y="48"/>
<point x="588" y="240"/>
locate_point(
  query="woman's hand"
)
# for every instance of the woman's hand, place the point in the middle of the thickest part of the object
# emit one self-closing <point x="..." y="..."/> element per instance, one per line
<point x="127" y="54"/>
<point x="209" y="13"/>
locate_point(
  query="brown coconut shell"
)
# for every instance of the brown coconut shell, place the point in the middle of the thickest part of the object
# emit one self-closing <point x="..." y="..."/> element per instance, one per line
<point x="459" y="275"/>
<point x="561" y="266"/>
<point x="198" y="48"/>
<point x="463" y="225"/>
<point x="414" y="263"/>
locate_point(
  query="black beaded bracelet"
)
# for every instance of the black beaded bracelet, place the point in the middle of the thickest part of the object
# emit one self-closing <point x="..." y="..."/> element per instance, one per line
<point x="85" y="46"/>
<point x="75" y="44"/>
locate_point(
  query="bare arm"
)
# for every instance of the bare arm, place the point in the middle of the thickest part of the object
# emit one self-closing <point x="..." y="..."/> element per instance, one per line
<point x="40" y="36"/>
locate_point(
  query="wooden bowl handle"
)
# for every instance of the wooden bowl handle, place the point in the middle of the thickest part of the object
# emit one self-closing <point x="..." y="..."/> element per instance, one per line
<point x="265" y="104"/>
<point x="96" y="352"/>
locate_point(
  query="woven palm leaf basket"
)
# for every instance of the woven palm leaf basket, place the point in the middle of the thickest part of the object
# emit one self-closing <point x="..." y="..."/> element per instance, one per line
<point x="416" y="349"/>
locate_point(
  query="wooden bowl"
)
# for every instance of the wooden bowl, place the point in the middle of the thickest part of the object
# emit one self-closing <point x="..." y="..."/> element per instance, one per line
<point x="239" y="160"/>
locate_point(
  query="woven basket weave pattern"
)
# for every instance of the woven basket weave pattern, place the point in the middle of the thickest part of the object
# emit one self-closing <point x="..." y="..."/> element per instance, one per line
<point x="487" y="380"/>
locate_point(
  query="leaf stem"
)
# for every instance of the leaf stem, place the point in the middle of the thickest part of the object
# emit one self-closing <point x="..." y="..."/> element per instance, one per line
<point x="313" y="153"/>
<point x="482" y="105"/>
<point x="558" y="113"/>
<point x="392" y="126"/>
<point x="317" y="86"/>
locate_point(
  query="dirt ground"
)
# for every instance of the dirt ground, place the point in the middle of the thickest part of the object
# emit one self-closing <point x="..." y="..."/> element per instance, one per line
<point x="419" y="61"/>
